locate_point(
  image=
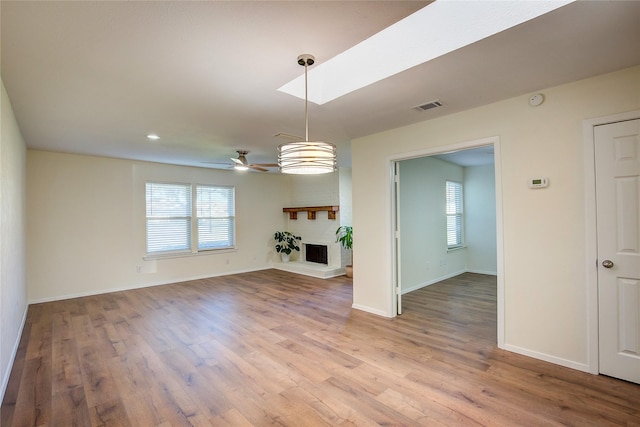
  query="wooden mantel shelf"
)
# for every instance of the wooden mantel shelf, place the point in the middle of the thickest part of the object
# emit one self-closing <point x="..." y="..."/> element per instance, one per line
<point x="311" y="211"/>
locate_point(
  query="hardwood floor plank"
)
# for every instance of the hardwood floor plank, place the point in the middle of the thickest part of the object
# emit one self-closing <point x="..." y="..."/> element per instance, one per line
<point x="109" y="414"/>
<point x="431" y="414"/>
<point x="98" y="383"/>
<point x="323" y="412"/>
<point x="146" y="378"/>
<point x="276" y="348"/>
<point x="13" y="385"/>
<point x="202" y="386"/>
<point x="69" y="408"/>
<point x="296" y="336"/>
<point x="362" y="402"/>
<point x="310" y="369"/>
<point x="33" y="405"/>
<point x="233" y="418"/>
<point x="327" y="405"/>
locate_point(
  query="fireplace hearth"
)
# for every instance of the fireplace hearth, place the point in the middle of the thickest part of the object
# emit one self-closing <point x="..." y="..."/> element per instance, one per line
<point x="318" y="258"/>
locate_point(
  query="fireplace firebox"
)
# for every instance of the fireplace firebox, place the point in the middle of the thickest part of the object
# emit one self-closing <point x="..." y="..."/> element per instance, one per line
<point x="316" y="253"/>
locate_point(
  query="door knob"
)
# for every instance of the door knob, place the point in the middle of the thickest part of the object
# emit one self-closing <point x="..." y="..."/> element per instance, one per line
<point x="607" y="263"/>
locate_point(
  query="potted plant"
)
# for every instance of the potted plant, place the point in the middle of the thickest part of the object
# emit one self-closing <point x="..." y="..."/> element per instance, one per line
<point x="286" y="243"/>
<point x="344" y="236"/>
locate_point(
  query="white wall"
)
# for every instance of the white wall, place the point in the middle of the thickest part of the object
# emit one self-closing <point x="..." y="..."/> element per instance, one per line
<point x="424" y="256"/>
<point x="13" y="289"/>
<point x="346" y="208"/>
<point x="480" y="219"/>
<point x="331" y="189"/>
<point x="346" y="211"/>
<point x="545" y="293"/>
<point x="314" y="190"/>
<point x="86" y="224"/>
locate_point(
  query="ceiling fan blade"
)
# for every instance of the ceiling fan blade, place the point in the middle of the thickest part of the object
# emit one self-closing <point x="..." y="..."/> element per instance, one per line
<point x="238" y="161"/>
<point x="266" y="165"/>
<point x="288" y="136"/>
<point x="257" y="168"/>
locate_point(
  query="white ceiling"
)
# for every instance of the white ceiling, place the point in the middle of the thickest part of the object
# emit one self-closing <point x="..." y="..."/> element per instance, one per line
<point x="480" y="156"/>
<point x="96" y="77"/>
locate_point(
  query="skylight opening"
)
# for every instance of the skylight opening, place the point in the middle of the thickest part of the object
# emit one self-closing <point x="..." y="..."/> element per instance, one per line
<point x="435" y="30"/>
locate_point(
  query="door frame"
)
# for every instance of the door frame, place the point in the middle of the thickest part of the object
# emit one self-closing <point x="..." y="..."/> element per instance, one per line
<point x="591" y="253"/>
<point x="391" y="232"/>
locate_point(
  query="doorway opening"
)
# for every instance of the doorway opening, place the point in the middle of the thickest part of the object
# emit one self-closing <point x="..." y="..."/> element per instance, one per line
<point x="431" y="243"/>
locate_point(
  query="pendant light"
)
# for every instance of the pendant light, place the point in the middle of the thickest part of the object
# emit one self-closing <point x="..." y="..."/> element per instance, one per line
<point x="307" y="157"/>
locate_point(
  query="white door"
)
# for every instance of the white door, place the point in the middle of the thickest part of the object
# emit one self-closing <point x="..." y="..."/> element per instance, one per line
<point x="617" y="159"/>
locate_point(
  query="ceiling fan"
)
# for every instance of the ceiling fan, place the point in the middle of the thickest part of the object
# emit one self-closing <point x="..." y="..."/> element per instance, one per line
<point x="241" y="163"/>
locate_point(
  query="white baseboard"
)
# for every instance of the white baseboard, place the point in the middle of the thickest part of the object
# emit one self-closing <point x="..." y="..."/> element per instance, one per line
<point x="584" y="367"/>
<point x="431" y="282"/>
<point x="370" y="310"/>
<point x="7" y="374"/>
<point x="448" y="276"/>
<point x="140" y="286"/>
<point x="488" y="273"/>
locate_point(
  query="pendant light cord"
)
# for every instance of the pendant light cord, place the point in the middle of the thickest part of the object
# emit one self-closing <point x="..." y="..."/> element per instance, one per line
<point x="306" y="104"/>
<point x="305" y="157"/>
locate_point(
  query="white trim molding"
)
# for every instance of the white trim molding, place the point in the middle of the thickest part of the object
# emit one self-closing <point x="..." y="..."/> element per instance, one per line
<point x="548" y="358"/>
<point x="371" y="310"/>
<point x="14" y="352"/>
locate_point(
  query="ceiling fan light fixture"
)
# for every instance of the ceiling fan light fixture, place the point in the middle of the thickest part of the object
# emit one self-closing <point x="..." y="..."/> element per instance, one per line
<point x="307" y="157"/>
<point x="241" y="163"/>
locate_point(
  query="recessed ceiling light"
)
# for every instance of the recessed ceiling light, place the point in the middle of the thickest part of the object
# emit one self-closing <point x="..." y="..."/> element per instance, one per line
<point x="153" y="137"/>
<point x="433" y="31"/>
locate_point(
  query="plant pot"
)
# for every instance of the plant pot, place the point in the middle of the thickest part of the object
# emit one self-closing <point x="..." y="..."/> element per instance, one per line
<point x="284" y="256"/>
<point x="348" y="270"/>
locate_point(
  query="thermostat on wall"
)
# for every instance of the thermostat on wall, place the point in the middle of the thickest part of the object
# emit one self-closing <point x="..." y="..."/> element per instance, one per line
<point x="538" y="182"/>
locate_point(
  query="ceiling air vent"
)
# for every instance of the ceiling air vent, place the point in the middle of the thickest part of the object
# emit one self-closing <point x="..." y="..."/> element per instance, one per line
<point x="428" y="105"/>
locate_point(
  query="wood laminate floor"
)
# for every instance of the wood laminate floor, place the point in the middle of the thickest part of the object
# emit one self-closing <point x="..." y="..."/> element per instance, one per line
<point x="275" y="348"/>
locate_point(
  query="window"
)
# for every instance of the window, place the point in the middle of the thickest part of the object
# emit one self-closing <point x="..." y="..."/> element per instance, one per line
<point x="169" y="212"/>
<point x="455" y="212"/>
<point x="168" y="217"/>
<point x="216" y="217"/>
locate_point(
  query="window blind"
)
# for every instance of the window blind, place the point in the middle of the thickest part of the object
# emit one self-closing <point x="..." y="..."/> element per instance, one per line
<point x="215" y="217"/>
<point x="454" y="212"/>
<point x="168" y="217"/>
<point x="169" y="212"/>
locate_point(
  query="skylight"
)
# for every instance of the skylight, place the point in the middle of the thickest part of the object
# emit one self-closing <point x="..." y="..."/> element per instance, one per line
<point x="435" y="30"/>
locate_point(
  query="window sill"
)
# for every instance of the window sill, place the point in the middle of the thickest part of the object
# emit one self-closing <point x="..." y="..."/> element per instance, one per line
<point x="456" y="249"/>
<point x="153" y="257"/>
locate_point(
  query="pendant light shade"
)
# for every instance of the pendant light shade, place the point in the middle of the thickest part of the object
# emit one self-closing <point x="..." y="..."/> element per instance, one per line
<point x="307" y="157"/>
